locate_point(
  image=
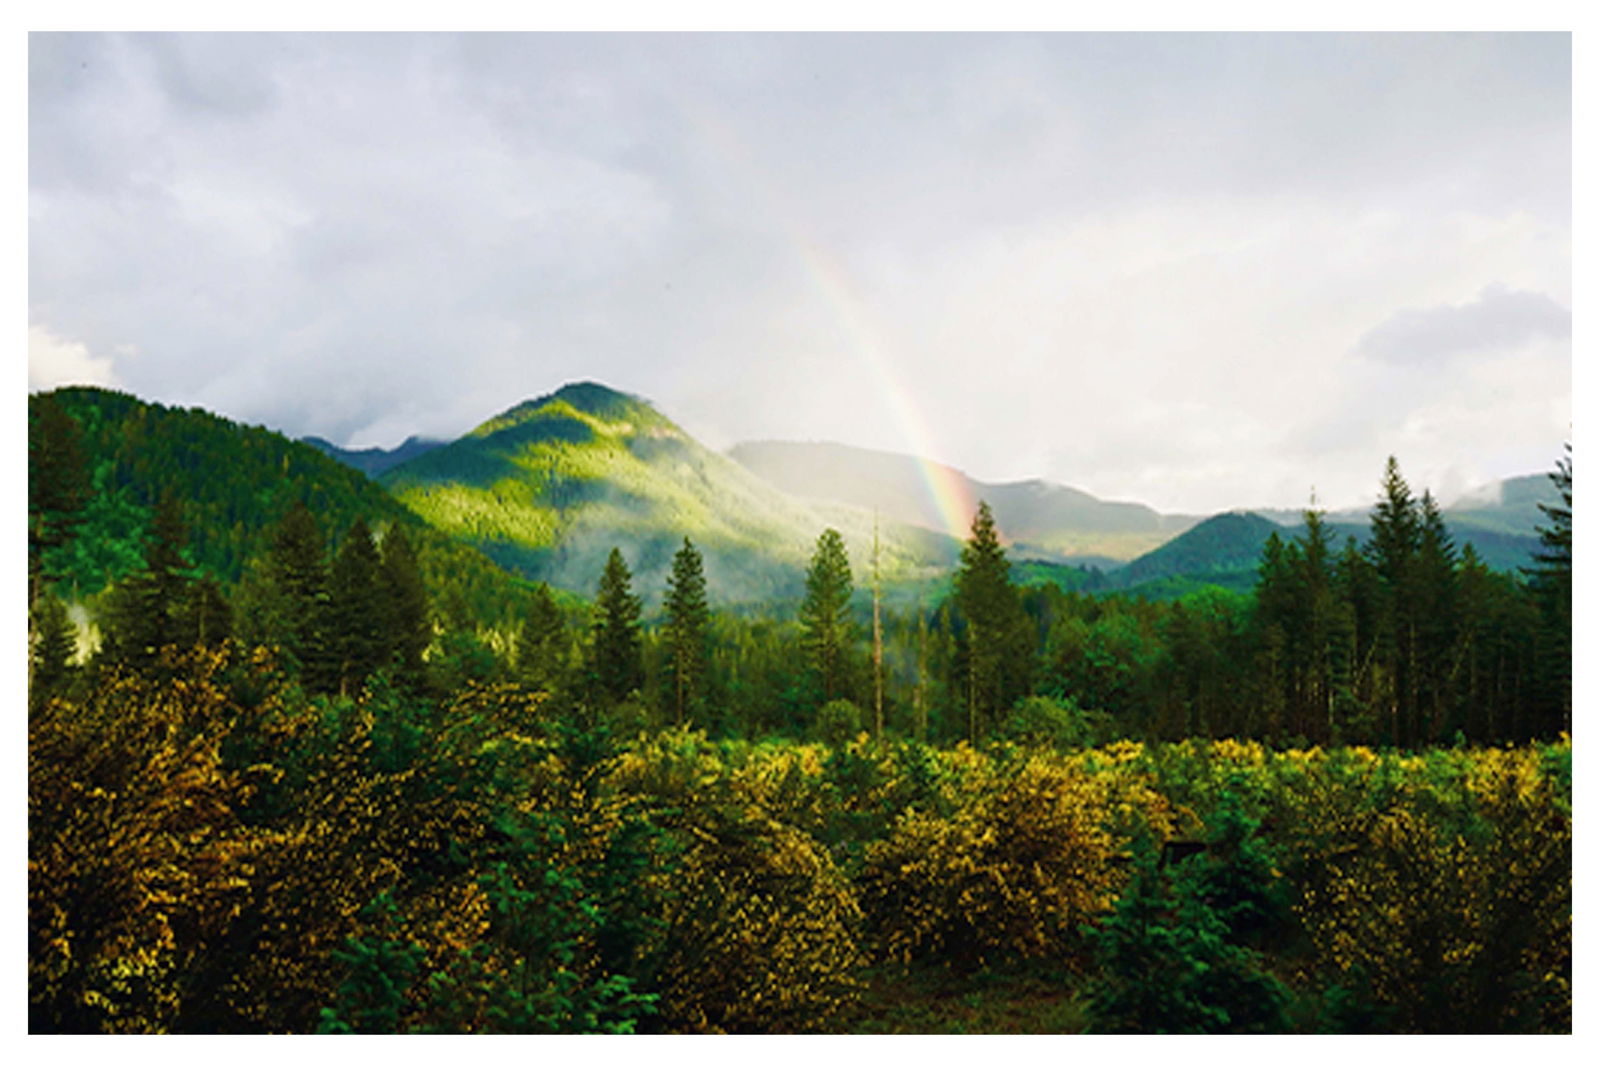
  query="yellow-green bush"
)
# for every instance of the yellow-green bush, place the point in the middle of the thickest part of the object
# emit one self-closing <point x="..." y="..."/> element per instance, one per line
<point x="761" y="929"/>
<point x="1023" y="859"/>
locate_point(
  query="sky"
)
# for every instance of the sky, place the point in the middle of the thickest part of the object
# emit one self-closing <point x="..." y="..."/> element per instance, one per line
<point x="1202" y="272"/>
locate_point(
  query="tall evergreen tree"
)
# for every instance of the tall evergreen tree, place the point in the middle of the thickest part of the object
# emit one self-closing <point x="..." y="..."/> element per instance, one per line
<point x="58" y="482"/>
<point x="147" y="609"/>
<point x="542" y="641"/>
<point x="408" y="630"/>
<point x="1314" y="714"/>
<point x="1551" y="579"/>
<point x="616" y="662"/>
<point x="1432" y="601"/>
<point x="55" y="642"/>
<point x="298" y="572"/>
<point x="1359" y="594"/>
<point x="825" y="616"/>
<point x="1396" y="538"/>
<point x="207" y="617"/>
<point x="997" y="641"/>
<point x="356" y="630"/>
<point x="687" y="628"/>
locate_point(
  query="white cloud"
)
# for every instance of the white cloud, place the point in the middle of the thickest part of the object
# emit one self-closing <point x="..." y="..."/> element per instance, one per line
<point x="54" y="361"/>
<point x="1139" y="264"/>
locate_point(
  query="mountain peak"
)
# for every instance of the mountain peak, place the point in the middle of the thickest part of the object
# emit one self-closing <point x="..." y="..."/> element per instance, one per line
<point x="585" y="407"/>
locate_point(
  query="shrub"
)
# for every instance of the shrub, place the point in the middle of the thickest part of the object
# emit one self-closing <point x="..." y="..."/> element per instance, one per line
<point x="837" y="722"/>
<point x="1166" y="962"/>
<point x="1010" y="873"/>
<point x="761" y="928"/>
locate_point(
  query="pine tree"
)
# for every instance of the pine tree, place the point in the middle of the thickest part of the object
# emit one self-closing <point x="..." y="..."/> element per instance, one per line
<point x="147" y="609"/>
<point x="207" y="617"/>
<point x="1432" y="600"/>
<point x="1396" y="538"/>
<point x="541" y="641"/>
<point x="616" y="662"/>
<point x="55" y="643"/>
<point x="998" y="651"/>
<point x="298" y="572"/>
<point x="407" y="628"/>
<point x="355" y="610"/>
<point x="1551" y="580"/>
<point x="58" y="483"/>
<point x="1314" y="580"/>
<point x="1357" y="589"/>
<point x="825" y="615"/>
<point x="688" y="622"/>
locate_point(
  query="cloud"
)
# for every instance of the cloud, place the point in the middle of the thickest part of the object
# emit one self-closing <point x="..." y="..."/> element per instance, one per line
<point x="1135" y="263"/>
<point x="54" y="362"/>
<point x="1498" y="320"/>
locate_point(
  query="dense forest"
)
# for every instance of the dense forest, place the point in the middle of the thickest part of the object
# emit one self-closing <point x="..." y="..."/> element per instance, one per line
<point x="299" y="762"/>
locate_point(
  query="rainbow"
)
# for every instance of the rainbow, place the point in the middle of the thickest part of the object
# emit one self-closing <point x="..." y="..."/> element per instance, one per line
<point x="948" y="492"/>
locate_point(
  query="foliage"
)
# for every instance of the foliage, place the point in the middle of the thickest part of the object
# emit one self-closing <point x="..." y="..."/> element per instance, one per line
<point x="615" y="665"/>
<point x="1167" y="963"/>
<point x="687" y="621"/>
<point x="837" y="722"/>
<point x="995" y="641"/>
<point x="825" y="618"/>
<point x="1011" y="872"/>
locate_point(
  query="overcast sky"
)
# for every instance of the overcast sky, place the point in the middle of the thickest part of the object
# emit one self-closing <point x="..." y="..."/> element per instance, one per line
<point x="1201" y="272"/>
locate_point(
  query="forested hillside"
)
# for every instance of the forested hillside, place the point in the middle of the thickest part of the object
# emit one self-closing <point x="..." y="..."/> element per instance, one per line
<point x="550" y="486"/>
<point x="232" y="484"/>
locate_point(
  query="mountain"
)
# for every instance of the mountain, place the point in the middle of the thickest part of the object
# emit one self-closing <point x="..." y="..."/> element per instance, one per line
<point x="1224" y="549"/>
<point x="374" y="461"/>
<point x="235" y="482"/>
<point x="549" y="486"/>
<point x="1510" y="506"/>
<point x="1043" y="521"/>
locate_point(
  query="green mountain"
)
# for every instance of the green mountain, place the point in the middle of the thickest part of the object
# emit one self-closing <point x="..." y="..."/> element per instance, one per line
<point x="235" y="482"/>
<point x="1043" y="521"/>
<point x="548" y="487"/>
<point x="1510" y="506"/>
<point x="374" y="461"/>
<point x="1224" y="549"/>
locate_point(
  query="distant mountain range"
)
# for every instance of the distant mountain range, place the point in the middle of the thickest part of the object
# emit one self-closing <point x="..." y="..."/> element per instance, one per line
<point x="1137" y="545"/>
<point x="1040" y="519"/>
<point x="374" y="461"/>
<point x="548" y="486"/>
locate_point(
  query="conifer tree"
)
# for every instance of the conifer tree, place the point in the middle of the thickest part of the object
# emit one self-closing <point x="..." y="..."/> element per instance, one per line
<point x="1551" y="579"/>
<point x="996" y="640"/>
<point x="1432" y="600"/>
<point x="1396" y="538"/>
<point x="616" y="662"/>
<point x="58" y="482"/>
<point x="55" y="642"/>
<point x="407" y="628"/>
<point x="147" y="609"/>
<point x="298" y="572"/>
<point x="688" y="624"/>
<point x="355" y="610"/>
<point x="207" y="615"/>
<point x="825" y="615"/>
<point x="542" y="641"/>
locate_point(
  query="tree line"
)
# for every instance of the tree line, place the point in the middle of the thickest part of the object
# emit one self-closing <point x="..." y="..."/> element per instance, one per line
<point x="1407" y="641"/>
